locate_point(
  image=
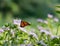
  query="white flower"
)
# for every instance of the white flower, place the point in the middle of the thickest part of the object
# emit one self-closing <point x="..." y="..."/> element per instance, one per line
<point x="56" y="19"/>
<point x="29" y="45"/>
<point x="54" y="36"/>
<point x="39" y="20"/>
<point x="42" y="43"/>
<point x="50" y="16"/>
<point x="34" y="35"/>
<point x="46" y="32"/>
<point x="46" y="22"/>
<point x="5" y="28"/>
<point x="22" y="45"/>
<point x="17" y="22"/>
<point x="1" y="30"/>
<point x="40" y="27"/>
<point x="42" y="30"/>
<point x="22" y="29"/>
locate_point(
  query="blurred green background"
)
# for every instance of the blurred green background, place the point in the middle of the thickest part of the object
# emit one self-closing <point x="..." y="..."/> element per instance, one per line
<point x="28" y="10"/>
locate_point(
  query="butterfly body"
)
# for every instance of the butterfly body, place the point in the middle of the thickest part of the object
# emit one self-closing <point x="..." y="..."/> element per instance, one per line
<point x="24" y="23"/>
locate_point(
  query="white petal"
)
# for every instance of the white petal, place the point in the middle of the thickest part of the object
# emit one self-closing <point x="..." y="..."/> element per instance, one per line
<point x="50" y="16"/>
<point x="17" y="22"/>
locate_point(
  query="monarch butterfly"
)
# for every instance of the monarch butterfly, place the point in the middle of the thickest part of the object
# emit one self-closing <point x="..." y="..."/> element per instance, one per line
<point x="24" y="23"/>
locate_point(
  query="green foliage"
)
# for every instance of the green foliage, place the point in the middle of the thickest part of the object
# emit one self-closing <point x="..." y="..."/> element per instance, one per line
<point x="27" y="8"/>
<point x="46" y="34"/>
<point x="58" y="10"/>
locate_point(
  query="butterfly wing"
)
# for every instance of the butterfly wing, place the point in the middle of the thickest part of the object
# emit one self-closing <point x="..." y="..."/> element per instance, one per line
<point x="24" y="23"/>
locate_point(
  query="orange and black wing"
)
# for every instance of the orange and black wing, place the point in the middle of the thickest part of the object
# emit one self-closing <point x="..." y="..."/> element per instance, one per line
<point x="23" y="24"/>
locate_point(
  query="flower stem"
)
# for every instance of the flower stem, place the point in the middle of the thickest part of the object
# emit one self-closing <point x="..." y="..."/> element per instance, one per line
<point x="57" y="29"/>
